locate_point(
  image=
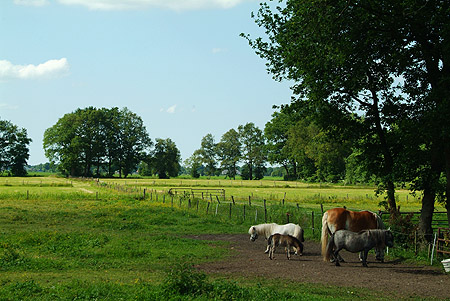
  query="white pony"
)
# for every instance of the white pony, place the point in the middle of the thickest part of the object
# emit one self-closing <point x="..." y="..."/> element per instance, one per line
<point x="269" y="229"/>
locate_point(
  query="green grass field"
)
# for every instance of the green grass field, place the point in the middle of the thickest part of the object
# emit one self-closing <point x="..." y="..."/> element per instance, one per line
<point x="73" y="239"/>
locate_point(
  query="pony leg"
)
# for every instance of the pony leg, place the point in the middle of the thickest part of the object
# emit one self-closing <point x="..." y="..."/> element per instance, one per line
<point x="364" y="261"/>
<point x="379" y="254"/>
<point x="267" y="249"/>
<point x="288" y="252"/>
<point x="271" y="251"/>
<point x="336" y="257"/>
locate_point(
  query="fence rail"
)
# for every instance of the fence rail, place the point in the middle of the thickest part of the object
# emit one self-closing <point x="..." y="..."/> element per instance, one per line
<point x="443" y="241"/>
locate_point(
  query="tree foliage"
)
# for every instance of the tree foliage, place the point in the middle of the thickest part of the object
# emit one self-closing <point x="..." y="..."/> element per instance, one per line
<point x="384" y="64"/>
<point x="111" y="139"/>
<point x="253" y="151"/>
<point x="14" y="151"/>
<point x="165" y="160"/>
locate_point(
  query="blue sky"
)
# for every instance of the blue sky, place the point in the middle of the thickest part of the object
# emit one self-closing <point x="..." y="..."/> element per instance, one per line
<point x="179" y="64"/>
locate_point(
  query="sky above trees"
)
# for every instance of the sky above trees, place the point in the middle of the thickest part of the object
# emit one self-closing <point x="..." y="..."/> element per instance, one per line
<point x="180" y="65"/>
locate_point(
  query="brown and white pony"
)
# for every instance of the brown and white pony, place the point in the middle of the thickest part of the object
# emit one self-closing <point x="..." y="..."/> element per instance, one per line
<point x="286" y="241"/>
<point x="342" y="219"/>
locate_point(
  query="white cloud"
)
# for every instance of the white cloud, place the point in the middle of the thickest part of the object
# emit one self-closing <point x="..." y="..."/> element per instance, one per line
<point x="218" y="50"/>
<point x="51" y="68"/>
<point x="177" y="5"/>
<point x="32" y="2"/>
<point x="171" y="110"/>
<point x="8" y="106"/>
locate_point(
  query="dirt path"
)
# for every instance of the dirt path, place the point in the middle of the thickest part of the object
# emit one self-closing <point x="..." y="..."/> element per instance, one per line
<point x="392" y="276"/>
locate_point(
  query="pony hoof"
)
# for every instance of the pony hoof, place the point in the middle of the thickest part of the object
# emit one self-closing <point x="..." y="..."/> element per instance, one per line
<point x="337" y="264"/>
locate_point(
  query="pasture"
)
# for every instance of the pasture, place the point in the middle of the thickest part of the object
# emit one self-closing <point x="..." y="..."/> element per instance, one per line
<point x="67" y="239"/>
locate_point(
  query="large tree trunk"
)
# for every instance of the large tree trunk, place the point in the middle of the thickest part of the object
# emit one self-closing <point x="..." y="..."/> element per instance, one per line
<point x="426" y="214"/>
<point x="447" y="175"/>
<point x="429" y="195"/>
<point x="387" y="155"/>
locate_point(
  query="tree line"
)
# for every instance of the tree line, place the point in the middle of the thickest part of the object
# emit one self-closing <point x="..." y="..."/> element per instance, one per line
<point x="94" y="142"/>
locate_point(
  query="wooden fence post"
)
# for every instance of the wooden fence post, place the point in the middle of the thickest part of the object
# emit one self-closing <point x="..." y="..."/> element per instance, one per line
<point x="232" y="198"/>
<point x="265" y="211"/>
<point x="207" y="208"/>
<point x="244" y="212"/>
<point x="249" y="201"/>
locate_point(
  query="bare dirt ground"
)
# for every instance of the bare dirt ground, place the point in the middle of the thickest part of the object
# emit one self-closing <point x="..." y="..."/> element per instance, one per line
<point x="399" y="279"/>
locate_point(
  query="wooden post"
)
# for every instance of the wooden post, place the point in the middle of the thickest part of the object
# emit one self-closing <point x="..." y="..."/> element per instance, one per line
<point x="415" y="242"/>
<point x="232" y="198"/>
<point x="249" y="201"/>
<point x="189" y="203"/>
<point x="244" y="212"/>
<point x="217" y="199"/>
<point x="144" y="194"/>
<point x="207" y="208"/>
<point x="230" y="211"/>
<point x="265" y="211"/>
<point x="197" y="204"/>
<point x="321" y="208"/>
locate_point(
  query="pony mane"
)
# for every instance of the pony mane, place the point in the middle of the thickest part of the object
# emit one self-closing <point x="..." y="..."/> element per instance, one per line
<point x="379" y="236"/>
<point x="380" y="224"/>
<point x="264" y="229"/>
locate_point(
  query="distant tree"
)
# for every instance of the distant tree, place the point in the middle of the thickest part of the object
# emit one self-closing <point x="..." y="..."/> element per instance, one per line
<point x="253" y="151"/>
<point x="165" y="160"/>
<point x="94" y="137"/>
<point x="208" y="154"/>
<point x="133" y="142"/>
<point x="276" y="133"/>
<point x="229" y="151"/>
<point x="194" y="164"/>
<point x="14" y="151"/>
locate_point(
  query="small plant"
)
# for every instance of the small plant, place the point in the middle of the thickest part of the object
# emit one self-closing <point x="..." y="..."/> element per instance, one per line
<point x="183" y="280"/>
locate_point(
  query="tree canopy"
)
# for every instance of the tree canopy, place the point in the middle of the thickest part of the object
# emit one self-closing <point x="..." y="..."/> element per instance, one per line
<point x="112" y="139"/>
<point x="384" y="66"/>
<point x="14" y="151"/>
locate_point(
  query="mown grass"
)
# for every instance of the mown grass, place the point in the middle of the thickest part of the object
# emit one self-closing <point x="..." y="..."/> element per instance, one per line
<point x="82" y="240"/>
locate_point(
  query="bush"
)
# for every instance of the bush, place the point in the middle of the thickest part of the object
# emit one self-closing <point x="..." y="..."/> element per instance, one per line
<point x="183" y="280"/>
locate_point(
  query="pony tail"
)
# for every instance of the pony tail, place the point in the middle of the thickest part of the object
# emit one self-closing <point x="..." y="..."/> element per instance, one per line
<point x="269" y="240"/>
<point x="324" y="238"/>
<point x="329" y="248"/>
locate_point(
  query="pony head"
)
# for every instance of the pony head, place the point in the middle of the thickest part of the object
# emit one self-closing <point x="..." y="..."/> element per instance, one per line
<point x="253" y="233"/>
<point x="389" y="238"/>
